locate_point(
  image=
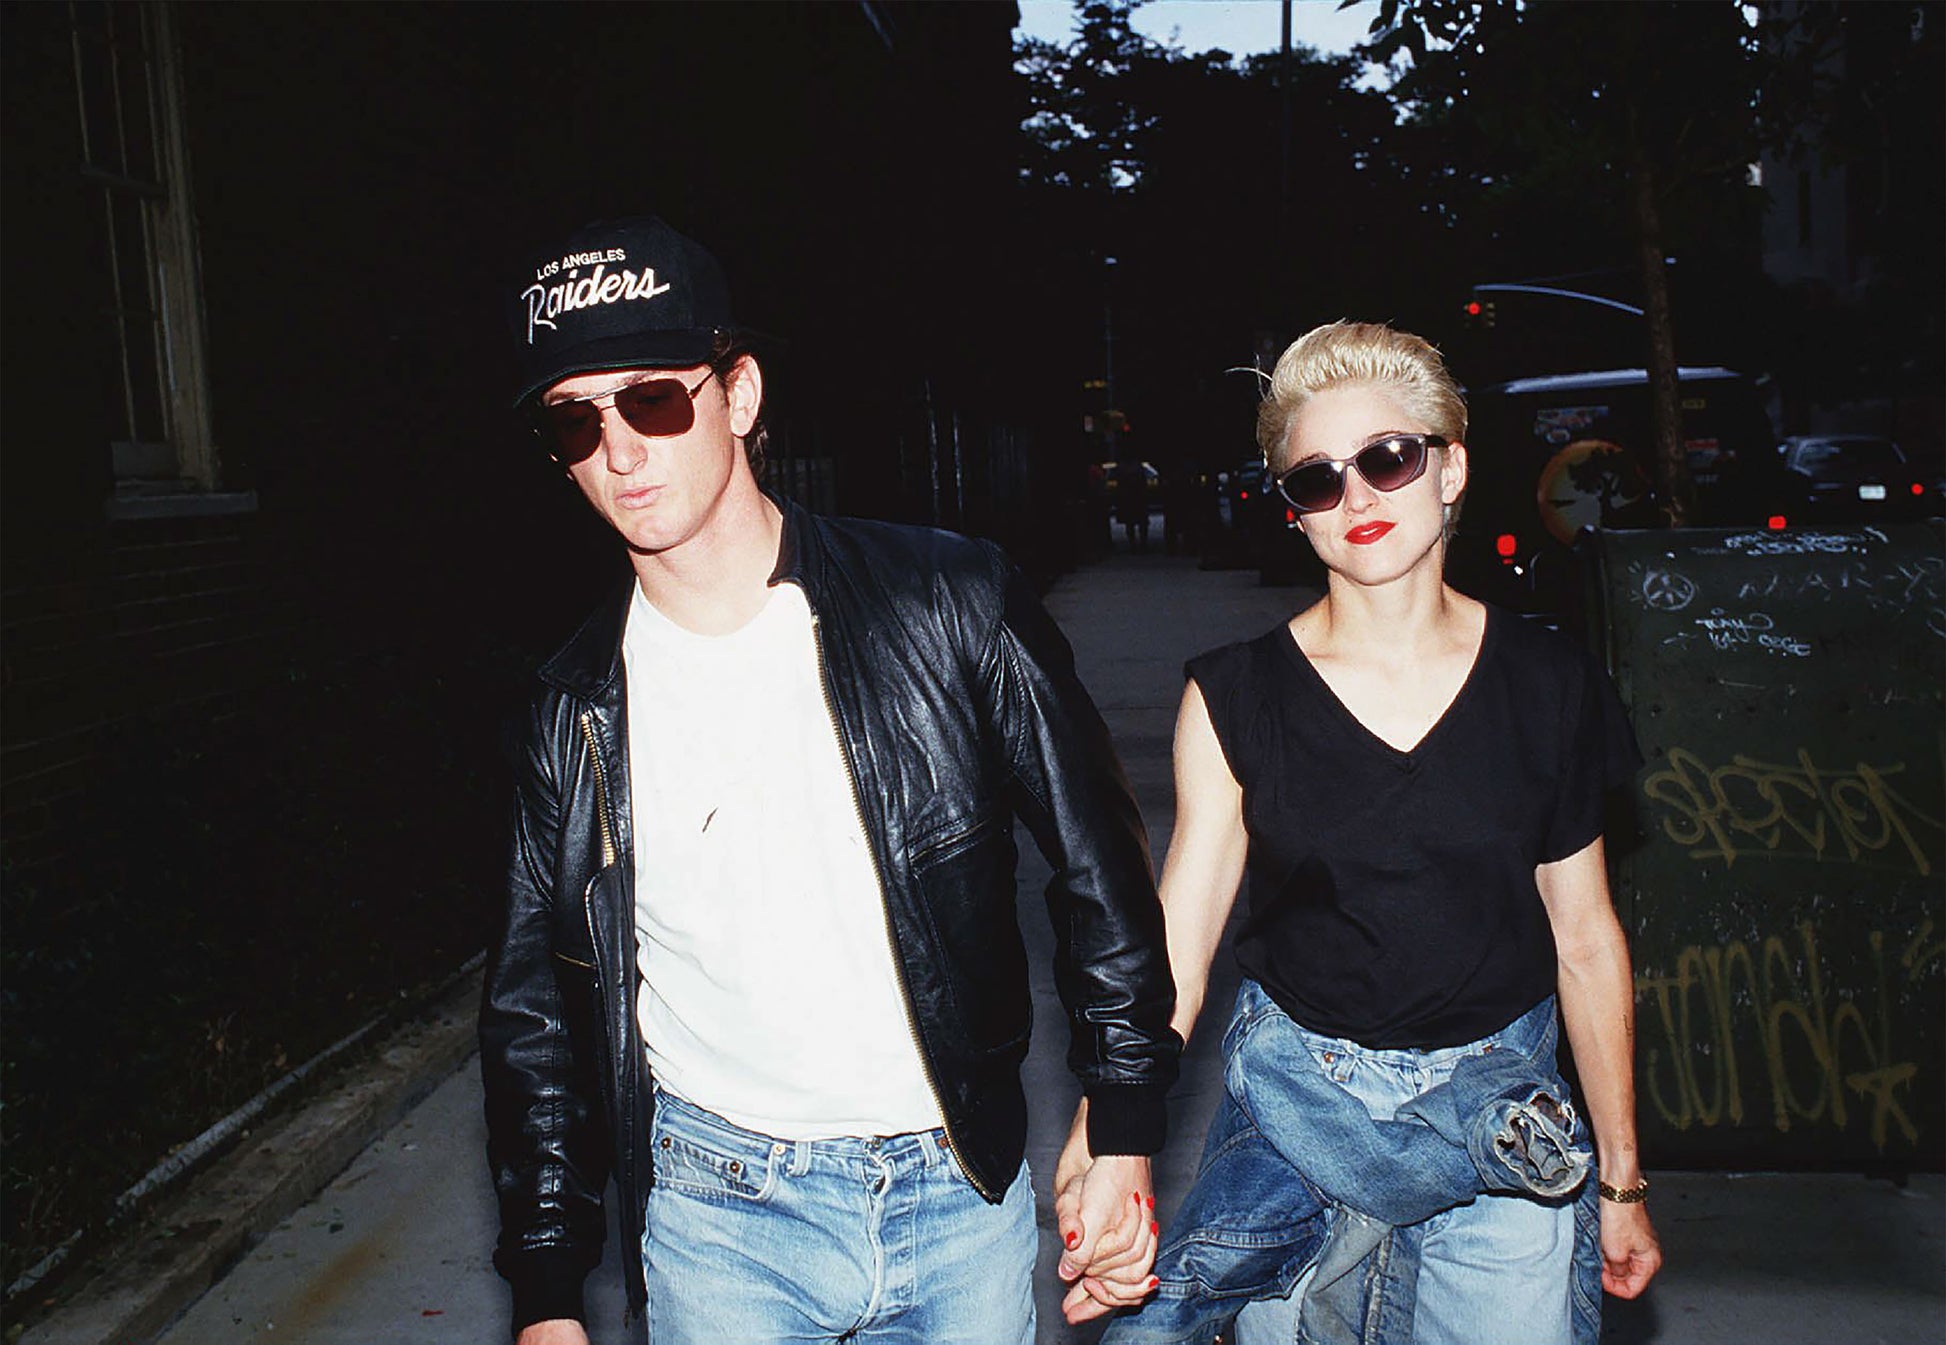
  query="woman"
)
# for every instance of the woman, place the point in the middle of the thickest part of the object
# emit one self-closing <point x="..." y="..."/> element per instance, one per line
<point x="1415" y="783"/>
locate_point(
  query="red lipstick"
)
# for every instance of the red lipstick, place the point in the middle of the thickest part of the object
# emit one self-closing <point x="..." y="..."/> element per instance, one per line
<point x="1367" y="533"/>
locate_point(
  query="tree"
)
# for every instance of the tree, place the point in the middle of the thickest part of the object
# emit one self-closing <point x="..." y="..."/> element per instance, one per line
<point x="1173" y="164"/>
<point x="1646" y="111"/>
<point x="1086" y="131"/>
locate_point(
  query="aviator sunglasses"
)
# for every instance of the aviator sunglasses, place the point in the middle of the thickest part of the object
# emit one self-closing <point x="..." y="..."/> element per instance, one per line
<point x="1397" y="460"/>
<point x="656" y="407"/>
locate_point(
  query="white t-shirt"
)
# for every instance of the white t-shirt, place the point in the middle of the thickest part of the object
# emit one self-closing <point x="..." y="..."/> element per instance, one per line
<point x="769" y="993"/>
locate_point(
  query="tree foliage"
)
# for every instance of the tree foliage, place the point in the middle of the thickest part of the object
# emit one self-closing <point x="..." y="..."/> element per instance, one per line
<point x="1243" y="200"/>
<point x="1581" y="134"/>
<point x="1091" y="119"/>
<point x="1605" y="146"/>
<point x="1643" y="115"/>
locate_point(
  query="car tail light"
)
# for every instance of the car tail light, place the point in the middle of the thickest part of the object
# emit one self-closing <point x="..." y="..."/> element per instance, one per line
<point x="1243" y="495"/>
<point x="1918" y="488"/>
<point x="1504" y="546"/>
<point x="1777" y="523"/>
<point x="1290" y="517"/>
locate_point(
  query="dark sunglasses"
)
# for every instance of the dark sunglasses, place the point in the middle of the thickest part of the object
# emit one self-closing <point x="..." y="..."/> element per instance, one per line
<point x="656" y="407"/>
<point x="1319" y="485"/>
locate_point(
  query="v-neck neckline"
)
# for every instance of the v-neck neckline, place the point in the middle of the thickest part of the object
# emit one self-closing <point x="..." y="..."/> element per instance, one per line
<point x="1405" y="758"/>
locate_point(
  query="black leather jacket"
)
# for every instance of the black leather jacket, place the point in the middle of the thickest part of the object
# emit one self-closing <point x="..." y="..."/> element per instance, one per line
<point x="957" y="706"/>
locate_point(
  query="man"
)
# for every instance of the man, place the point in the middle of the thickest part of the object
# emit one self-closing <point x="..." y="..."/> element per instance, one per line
<point x="760" y="962"/>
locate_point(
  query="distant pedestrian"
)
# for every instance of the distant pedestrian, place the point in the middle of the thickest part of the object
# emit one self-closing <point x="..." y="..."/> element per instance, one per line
<point x="1415" y="784"/>
<point x="1101" y="522"/>
<point x="1131" y="492"/>
<point x="760" y="962"/>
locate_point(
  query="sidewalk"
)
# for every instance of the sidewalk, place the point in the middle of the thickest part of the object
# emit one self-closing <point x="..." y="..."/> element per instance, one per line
<point x="269" y="1246"/>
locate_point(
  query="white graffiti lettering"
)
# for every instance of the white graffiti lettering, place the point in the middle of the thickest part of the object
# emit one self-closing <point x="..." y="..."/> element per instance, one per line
<point x="1728" y="632"/>
<point x="1794" y="543"/>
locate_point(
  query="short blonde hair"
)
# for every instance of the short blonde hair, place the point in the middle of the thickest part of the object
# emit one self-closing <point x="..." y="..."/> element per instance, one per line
<point x="1406" y="367"/>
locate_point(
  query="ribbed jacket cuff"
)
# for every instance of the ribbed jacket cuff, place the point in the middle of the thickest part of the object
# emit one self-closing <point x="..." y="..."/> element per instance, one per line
<point x="1127" y="1118"/>
<point x="547" y="1284"/>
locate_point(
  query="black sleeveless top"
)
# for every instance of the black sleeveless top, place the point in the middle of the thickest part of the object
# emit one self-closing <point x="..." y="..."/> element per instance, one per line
<point x="1391" y="894"/>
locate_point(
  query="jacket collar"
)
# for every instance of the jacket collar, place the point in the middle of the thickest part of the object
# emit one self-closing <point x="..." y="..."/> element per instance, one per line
<point x="589" y="665"/>
<point x="797" y="551"/>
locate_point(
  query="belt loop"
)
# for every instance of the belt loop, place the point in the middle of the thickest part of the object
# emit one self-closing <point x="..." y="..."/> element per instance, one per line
<point x="800" y="1158"/>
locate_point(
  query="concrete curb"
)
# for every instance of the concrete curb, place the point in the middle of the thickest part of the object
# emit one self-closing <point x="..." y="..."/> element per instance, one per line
<point x="150" y="1274"/>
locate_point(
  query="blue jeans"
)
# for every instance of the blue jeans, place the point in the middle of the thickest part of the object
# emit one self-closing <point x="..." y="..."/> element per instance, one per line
<point x="753" y="1239"/>
<point x="1304" y="1180"/>
<point x="1499" y="1268"/>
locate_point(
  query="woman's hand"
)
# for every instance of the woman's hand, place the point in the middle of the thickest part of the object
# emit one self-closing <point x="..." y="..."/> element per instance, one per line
<point x="1630" y="1254"/>
<point x="1597" y="991"/>
<point x="554" y="1331"/>
<point x="1105" y="1212"/>
<point x="1104" y="1209"/>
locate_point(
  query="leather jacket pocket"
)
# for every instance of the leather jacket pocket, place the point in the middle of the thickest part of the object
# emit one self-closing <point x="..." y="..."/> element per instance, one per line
<point x="574" y="935"/>
<point x="964" y="884"/>
<point x="577" y="974"/>
<point x="951" y="842"/>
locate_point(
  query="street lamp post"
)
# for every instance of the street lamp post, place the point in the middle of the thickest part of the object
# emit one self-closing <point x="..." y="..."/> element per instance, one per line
<point x="1108" y="357"/>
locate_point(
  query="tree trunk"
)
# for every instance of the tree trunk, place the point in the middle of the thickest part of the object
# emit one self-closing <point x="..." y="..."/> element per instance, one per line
<point x="1675" y="492"/>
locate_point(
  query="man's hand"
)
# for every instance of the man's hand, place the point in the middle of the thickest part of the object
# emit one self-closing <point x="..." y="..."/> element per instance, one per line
<point x="1105" y="1212"/>
<point x="1630" y="1254"/>
<point x="554" y="1331"/>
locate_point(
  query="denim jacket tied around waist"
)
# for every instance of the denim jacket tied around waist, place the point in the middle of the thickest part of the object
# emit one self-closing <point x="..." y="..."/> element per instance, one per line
<point x="1295" y="1171"/>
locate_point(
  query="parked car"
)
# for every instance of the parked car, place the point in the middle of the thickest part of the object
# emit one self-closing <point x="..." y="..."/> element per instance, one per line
<point x="1856" y="478"/>
<point x="1551" y="456"/>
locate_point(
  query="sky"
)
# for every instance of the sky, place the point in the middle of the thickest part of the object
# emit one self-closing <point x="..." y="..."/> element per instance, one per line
<point x="1240" y="27"/>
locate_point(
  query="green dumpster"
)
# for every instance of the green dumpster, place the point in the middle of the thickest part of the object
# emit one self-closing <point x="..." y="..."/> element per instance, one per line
<point x="1783" y="895"/>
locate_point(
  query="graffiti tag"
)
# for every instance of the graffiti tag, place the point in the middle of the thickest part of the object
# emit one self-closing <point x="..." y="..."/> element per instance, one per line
<point x="1818" y="1049"/>
<point x="1797" y="543"/>
<point x="1764" y="809"/>
<point x="1756" y="630"/>
<point x="1667" y="590"/>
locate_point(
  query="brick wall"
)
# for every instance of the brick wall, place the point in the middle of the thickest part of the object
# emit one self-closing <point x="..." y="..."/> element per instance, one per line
<point x="165" y="624"/>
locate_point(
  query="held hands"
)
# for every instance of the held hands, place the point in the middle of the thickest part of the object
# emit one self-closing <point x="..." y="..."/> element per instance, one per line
<point x="1105" y="1212"/>
<point x="1630" y="1254"/>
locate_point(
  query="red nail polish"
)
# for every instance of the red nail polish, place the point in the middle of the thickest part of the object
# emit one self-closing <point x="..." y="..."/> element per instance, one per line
<point x="1151" y="1202"/>
<point x="1154" y="1282"/>
<point x="1073" y="1238"/>
<point x="1155" y="1229"/>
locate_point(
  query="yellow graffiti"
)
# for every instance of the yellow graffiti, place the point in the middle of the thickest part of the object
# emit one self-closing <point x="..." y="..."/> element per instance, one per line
<point x="1919" y="954"/>
<point x="1694" y="1075"/>
<point x="1762" y="809"/>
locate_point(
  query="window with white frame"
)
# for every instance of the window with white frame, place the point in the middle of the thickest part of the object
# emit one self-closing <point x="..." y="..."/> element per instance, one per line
<point x="134" y="167"/>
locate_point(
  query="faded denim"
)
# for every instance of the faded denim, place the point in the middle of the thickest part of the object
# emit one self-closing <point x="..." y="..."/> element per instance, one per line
<point x="876" y="1241"/>
<point x="1296" y="1174"/>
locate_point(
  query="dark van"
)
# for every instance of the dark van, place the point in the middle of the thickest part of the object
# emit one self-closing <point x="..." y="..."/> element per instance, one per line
<point x="1551" y="456"/>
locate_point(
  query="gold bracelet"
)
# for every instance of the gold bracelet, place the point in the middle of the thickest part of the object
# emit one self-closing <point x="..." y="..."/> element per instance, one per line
<point x="1634" y="1195"/>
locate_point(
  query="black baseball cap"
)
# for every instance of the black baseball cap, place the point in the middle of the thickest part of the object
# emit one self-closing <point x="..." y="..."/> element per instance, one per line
<point x="617" y="294"/>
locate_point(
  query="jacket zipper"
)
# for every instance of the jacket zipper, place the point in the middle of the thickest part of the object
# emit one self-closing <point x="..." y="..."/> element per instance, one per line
<point x="891" y="938"/>
<point x="601" y="791"/>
